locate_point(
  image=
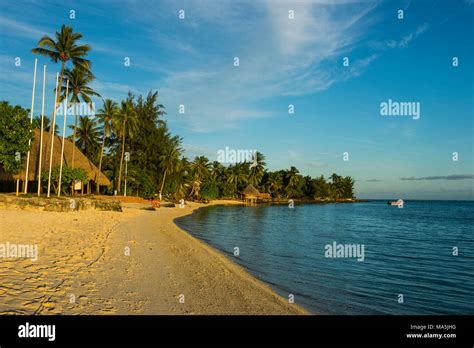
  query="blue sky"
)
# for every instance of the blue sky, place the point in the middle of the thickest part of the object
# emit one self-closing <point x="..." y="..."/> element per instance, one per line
<point x="283" y="61"/>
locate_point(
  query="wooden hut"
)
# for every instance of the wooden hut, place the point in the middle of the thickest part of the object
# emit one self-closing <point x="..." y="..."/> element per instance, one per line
<point x="80" y="161"/>
<point x="250" y="194"/>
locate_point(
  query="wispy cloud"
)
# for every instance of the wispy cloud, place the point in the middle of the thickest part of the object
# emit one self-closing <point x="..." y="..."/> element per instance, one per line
<point x="15" y="28"/>
<point x="445" y="177"/>
<point x="278" y="56"/>
<point x="405" y="40"/>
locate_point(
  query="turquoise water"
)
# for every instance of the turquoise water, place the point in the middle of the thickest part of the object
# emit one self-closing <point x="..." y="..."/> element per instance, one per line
<point x="407" y="252"/>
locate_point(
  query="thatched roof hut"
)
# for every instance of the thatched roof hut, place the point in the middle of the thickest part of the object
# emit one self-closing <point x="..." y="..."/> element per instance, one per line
<point x="250" y="192"/>
<point x="80" y="160"/>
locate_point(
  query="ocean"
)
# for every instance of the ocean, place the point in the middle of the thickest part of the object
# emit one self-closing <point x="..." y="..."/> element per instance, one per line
<point x="364" y="258"/>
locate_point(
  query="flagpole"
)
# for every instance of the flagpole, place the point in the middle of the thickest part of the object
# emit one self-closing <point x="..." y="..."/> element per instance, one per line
<point x="41" y="132"/>
<point x="64" y="133"/>
<point x="51" y="129"/>
<point x="31" y="121"/>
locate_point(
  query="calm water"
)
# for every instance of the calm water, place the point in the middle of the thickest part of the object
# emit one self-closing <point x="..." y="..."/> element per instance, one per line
<point x="407" y="251"/>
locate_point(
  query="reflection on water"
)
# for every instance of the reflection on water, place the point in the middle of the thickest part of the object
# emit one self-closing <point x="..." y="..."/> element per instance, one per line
<point x="408" y="251"/>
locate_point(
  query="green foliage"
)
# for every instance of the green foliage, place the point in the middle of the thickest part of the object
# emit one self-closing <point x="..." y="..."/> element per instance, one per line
<point x="15" y="133"/>
<point x="68" y="176"/>
<point x="210" y="190"/>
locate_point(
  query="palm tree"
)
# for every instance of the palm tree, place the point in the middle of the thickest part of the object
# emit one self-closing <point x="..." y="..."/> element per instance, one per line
<point x="105" y="116"/>
<point x="180" y="179"/>
<point x="88" y="137"/>
<point x="126" y="123"/>
<point x="64" y="48"/>
<point x="199" y="170"/>
<point x="237" y="176"/>
<point x="293" y="179"/>
<point x="217" y="171"/>
<point x="169" y="161"/>
<point x="79" y="79"/>
<point x="274" y="183"/>
<point x="257" y="169"/>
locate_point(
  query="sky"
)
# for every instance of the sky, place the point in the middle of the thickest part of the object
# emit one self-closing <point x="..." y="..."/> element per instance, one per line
<point x="334" y="62"/>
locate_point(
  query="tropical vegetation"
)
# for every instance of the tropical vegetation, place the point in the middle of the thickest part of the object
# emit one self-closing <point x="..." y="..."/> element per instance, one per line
<point x="156" y="164"/>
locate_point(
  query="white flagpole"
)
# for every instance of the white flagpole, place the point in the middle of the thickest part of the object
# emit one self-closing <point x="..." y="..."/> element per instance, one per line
<point x="31" y="121"/>
<point x="64" y="133"/>
<point x="51" y="129"/>
<point x="41" y="132"/>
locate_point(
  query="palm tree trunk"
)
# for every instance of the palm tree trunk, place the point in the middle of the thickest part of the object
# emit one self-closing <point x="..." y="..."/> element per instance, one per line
<point x="121" y="158"/>
<point x="100" y="162"/>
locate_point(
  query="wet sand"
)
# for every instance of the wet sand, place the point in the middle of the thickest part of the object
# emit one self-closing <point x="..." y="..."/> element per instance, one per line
<point x="134" y="262"/>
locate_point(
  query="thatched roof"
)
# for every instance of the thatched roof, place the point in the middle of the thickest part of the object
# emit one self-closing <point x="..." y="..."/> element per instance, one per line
<point x="250" y="191"/>
<point x="80" y="160"/>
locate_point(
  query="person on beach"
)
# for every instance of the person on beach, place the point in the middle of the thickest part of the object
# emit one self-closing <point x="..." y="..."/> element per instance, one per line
<point x="155" y="203"/>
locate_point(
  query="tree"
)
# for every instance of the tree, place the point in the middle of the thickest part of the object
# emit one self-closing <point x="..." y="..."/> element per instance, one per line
<point x="257" y="169"/>
<point x="62" y="49"/>
<point x="274" y="183"/>
<point x="106" y="115"/>
<point x="336" y="186"/>
<point x="16" y="132"/>
<point x="88" y="138"/>
<point x="237" y="176"/>
<point x="125" y="124"/>
<point x="68" y="177"/>
<point x="294" y="183"/>
<point x="199" y="170"/>
<point x="79" y="79"/>
<point x="169" y="163"/>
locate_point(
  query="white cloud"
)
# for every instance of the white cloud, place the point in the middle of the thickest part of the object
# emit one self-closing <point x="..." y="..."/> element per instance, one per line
<point x="278" y="57"/>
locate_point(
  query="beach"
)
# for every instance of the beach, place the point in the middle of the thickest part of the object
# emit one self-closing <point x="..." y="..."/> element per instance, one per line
<point x="132" y="262"/>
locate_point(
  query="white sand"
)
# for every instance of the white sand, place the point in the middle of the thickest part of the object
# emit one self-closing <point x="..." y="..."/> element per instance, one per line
<point x="82" y="267"/>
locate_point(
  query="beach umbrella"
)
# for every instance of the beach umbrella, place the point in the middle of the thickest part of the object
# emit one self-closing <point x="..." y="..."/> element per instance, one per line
<point x="41" y="131"/>
<point x="64" y="133"/>
<point x="31" y="121"/>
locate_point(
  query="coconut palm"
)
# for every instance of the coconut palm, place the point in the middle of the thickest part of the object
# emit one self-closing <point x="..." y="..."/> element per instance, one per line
<point x="257" y="169"/>
<point x="199" y="170"/>
<point x="79" y="80"/>
<point x="125" y="124"/>
<point x="217" y="171"/>
<point x="180" y="181"/>
<point x="237" y="176"/>
<point x="274" y="183"/>
<point x="62" y="49"/>
<point x="169" y="162"/>
<point x="106" y="115"/>
<point x="88" y="137"/>
<point x="293" y="182"/>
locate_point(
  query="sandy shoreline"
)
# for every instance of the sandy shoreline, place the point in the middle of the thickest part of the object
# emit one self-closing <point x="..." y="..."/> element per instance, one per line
<point x="134" y="262"/>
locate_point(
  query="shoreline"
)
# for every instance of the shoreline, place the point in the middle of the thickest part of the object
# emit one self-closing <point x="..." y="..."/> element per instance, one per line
<point x="82" y="267"/>
<point x="234" y="266"/>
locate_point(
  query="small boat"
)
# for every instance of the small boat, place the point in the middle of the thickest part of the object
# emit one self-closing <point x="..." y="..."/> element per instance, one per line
<point x="398" y="203"/>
